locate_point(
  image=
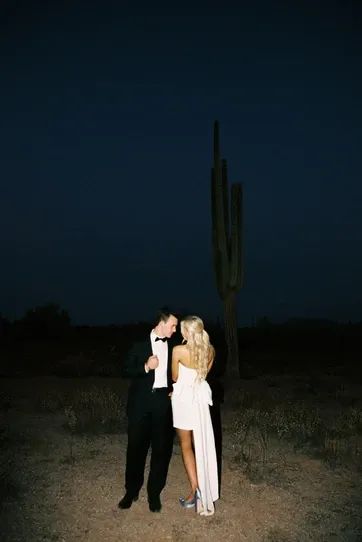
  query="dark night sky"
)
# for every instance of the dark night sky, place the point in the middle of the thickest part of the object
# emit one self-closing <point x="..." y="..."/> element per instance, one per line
<point x="106" y="147"/>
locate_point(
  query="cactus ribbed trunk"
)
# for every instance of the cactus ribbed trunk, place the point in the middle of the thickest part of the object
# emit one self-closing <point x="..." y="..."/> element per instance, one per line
<point x="226" y="212"/>
<point x="231" y="333"/>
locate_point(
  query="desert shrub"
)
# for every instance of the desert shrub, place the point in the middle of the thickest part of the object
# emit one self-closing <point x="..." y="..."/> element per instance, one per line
<point x="45" y="321"/>
<point x="240" y="399"/>
<point x="5" y="401"/>
<point x="52" y="402"/>
<point x="75" y="365"/>
<point x="337" y="440"/>
<point x="95" y="411"/>
<point x="342" y="442"/>
<point x="348" y="422"/>
<point x="9" y="487"/>
<point x="296" y="423"/>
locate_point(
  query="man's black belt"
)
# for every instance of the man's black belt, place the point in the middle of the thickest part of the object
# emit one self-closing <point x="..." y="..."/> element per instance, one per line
<point x="154" y="390"/>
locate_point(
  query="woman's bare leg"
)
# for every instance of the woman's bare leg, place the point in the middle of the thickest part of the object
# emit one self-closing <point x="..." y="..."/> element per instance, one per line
<point x="188" y="457"/>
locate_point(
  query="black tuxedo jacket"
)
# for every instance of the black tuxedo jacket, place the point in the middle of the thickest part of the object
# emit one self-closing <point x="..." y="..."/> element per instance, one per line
<point x="140" y="388"/>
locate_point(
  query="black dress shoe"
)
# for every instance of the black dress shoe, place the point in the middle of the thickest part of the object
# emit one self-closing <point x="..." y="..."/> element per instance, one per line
<point x="127" y="501"/>
<point x="154" y="504"/>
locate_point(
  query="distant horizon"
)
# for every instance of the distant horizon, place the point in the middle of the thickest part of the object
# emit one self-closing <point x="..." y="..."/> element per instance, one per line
<point x="213" y="320"/>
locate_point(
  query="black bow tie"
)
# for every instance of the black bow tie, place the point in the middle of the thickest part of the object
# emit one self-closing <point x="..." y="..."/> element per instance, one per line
<point x="161" y="339"/>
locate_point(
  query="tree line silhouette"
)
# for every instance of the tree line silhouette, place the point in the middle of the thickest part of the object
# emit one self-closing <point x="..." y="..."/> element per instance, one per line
<point x="44" y="342"/>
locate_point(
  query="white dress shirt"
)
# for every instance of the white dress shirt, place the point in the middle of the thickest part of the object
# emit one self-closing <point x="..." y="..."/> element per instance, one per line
<point x="160" y="349"/>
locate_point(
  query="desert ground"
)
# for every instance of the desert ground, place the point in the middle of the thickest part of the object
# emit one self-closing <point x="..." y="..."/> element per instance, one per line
<point x="61" y="479"/>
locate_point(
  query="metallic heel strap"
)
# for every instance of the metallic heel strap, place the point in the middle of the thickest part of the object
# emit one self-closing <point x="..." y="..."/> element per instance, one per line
<point x="187" y="503"/>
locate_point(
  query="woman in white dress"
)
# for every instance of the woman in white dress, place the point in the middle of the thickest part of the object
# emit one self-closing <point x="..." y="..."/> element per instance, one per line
<point x="191" y="399"/>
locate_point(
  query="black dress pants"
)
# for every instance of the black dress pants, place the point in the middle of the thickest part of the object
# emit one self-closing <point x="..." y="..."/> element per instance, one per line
<point x="152" y="427"/>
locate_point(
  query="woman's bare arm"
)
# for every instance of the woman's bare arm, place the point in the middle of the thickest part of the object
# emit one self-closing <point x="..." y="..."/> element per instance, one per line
<point x="211" y="357"/>
<point x="175" y="362"/>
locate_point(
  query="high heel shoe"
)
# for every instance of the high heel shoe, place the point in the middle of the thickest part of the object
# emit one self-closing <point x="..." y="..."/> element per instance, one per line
<point x="188" y="503"/>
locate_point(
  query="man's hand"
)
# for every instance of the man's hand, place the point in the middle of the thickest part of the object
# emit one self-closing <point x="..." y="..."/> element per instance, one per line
<point x="151" y="363"/>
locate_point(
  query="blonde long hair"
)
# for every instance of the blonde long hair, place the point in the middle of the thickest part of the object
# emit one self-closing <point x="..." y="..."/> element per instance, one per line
<point x="198" y="343"/>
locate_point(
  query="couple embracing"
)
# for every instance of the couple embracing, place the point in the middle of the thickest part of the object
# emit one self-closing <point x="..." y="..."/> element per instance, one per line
<point x="169" y="390"/>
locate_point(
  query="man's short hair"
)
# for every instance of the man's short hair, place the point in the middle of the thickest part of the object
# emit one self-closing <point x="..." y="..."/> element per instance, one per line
<point x="163" y="314"/>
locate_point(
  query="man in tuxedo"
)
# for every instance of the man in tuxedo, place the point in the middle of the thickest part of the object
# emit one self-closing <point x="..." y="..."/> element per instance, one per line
<point x="148" y="365"/>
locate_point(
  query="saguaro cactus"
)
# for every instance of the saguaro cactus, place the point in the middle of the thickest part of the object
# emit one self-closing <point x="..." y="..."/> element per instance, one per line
<point x="227" y="247"/>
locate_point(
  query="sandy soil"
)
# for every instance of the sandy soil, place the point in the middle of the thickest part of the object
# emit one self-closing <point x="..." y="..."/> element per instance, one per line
<point x="72" y="496"/>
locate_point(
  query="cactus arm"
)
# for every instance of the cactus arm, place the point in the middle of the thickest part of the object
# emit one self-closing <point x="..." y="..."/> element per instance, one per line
<point x="235" y="279"/>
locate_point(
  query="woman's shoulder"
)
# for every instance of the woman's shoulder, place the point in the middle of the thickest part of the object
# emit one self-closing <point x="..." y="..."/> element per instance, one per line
<point x="181" y="354"/>
<point x="180" y="348"/>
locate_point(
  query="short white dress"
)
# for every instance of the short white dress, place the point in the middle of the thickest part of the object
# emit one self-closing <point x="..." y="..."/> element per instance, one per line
<point x="191" y="401"/>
